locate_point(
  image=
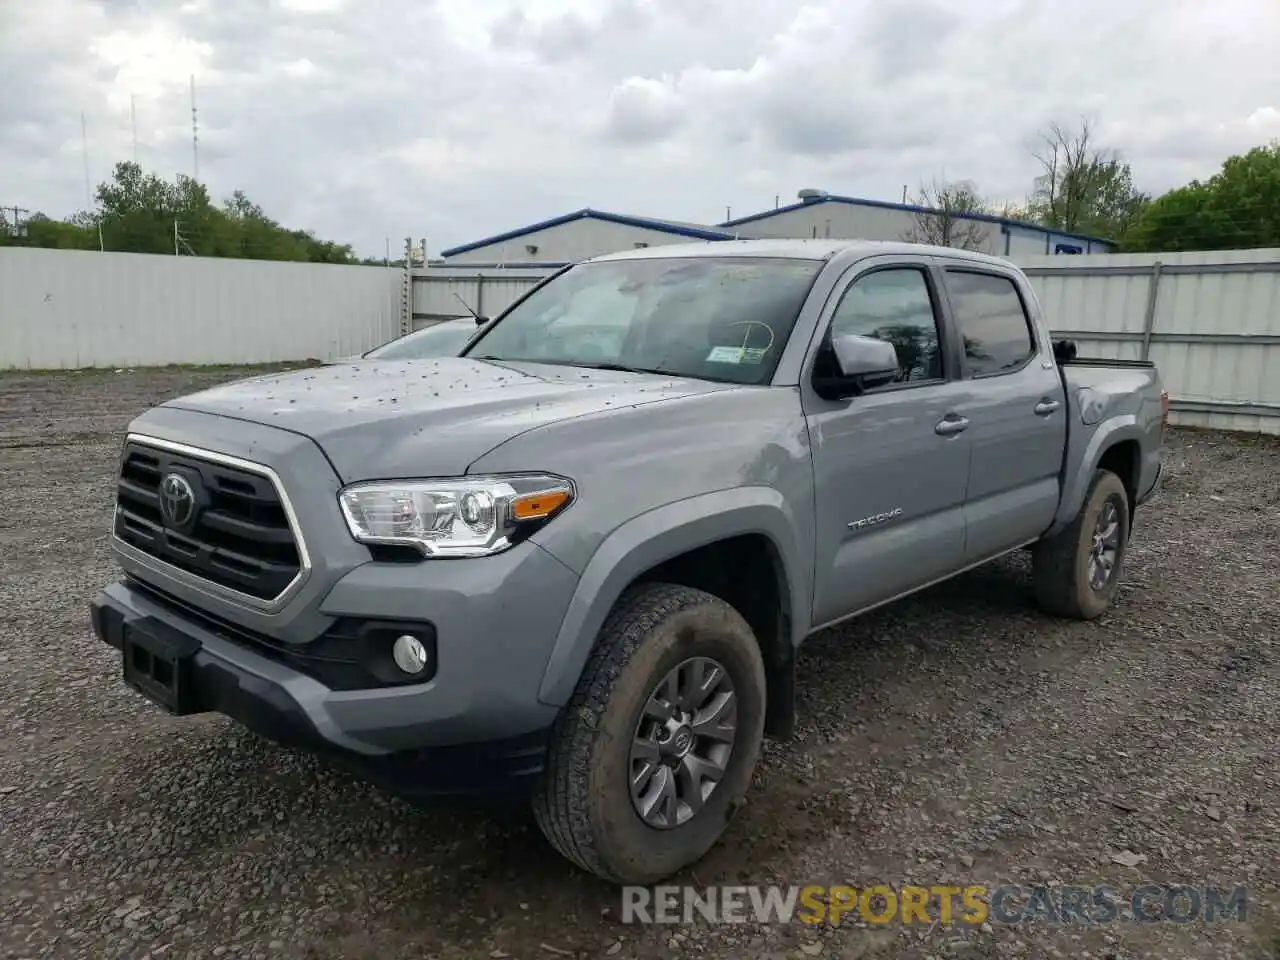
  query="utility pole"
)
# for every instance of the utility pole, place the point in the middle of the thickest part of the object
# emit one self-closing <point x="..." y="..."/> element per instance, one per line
<point x="195" y="135"/>
<point x="84" y="150"/>
<point x="179" y="241"/>
<point x="17" y="218"/>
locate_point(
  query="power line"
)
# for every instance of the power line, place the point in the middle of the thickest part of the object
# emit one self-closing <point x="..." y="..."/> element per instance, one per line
<point x="17" y="217"/>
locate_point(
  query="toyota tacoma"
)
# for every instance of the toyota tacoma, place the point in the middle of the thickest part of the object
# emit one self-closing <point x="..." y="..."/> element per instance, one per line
<point x="578" y="559"/>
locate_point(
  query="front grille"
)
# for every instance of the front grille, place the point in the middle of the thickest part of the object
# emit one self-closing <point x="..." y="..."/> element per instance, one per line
<point x="237" y="535"/>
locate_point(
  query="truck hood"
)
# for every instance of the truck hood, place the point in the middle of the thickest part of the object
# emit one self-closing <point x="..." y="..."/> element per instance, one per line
<point x="391" y="419"/>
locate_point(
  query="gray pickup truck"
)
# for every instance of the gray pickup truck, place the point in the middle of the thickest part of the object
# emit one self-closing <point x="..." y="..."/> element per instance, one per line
<point x="579" y="558"/>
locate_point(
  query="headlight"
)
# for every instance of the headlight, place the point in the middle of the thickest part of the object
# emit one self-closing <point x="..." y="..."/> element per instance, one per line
<point x="470" y="517"/>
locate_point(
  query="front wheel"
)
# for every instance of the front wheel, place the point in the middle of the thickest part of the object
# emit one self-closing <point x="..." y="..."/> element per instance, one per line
<point x="1077" y="570"/>
<point x="656" y="748"/>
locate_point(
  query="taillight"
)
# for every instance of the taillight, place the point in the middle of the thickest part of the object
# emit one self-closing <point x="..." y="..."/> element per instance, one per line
<point x="1164" y="408"/>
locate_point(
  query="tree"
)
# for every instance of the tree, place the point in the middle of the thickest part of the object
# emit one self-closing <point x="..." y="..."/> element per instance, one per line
<point x="58" y="234"/>
<point x="916" y="353"/>
<point x="139" y="212"/>
<point x="1236" y="208"/>
<point x="1083" y="188"/>
<point x="945" y="223"/>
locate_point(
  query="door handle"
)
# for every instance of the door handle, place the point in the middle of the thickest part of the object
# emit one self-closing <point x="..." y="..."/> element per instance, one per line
<point x="950" y="426"/>
<point x="1046" y="407"/>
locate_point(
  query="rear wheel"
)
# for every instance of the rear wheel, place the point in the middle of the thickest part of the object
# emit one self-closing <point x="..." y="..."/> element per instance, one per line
<point x="1077" y="571"/>
<point x="656" y="749"/>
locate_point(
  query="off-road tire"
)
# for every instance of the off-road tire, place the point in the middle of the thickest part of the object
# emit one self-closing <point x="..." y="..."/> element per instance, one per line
<point x="1060" y="563"/>
<point x="582" y="803"/>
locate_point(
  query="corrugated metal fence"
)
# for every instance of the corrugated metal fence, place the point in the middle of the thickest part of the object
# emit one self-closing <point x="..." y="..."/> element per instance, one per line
<point x="441" y="292"/>
<point x="64" y="309"/>
<point x="1210" y="320"/>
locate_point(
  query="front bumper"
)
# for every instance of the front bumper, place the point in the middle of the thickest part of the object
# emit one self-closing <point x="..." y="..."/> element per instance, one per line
<point x="418" y="739"/>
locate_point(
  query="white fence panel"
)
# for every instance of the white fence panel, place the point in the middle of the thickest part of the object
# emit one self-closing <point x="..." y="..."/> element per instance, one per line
<point x="441" y="292"/>
<point x="1210" y="320"/>
<point x="62" y="309"/>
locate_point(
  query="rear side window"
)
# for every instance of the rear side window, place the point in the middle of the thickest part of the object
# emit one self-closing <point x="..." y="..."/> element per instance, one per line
<point x="991" y="320"/>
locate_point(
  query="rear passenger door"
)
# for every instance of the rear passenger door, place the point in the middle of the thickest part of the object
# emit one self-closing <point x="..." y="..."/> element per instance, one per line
<point x="890" y="468"/>
<point x="1015" y="405"/>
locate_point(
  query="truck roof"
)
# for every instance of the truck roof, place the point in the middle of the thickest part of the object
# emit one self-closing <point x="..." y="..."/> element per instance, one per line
<point x="796" y="249"/>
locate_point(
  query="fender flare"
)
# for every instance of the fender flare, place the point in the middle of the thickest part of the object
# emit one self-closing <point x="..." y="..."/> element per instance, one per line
<point x="656" y="536"/>
<point x="1110" y="432"/>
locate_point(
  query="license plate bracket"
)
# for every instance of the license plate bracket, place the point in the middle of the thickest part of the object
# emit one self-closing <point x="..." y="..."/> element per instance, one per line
<point x="157" y="662"/>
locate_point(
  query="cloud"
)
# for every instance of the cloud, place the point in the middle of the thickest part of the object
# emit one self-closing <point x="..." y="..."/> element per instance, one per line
<point x="453" y="119"/>
<point x="643" y="110"/>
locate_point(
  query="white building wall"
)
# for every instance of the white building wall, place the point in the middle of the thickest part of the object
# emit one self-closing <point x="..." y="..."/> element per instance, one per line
<point x="568" y="243"/>
<point x="1024" y="241"/>
<point x="66" y="309"/>
<point x="847" y="221"/>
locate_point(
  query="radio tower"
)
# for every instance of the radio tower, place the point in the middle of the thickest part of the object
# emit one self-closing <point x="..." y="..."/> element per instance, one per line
<point x="195" y="134"/>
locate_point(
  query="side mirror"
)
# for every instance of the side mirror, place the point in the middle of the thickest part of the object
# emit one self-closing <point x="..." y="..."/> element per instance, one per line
<point x="861" y="363"/>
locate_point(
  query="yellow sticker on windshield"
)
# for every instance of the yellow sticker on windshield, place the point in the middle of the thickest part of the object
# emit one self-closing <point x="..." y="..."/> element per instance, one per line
<point x="736" y="354"/>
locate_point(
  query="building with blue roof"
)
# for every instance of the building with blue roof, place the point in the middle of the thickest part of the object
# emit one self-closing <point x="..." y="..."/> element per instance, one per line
<point x="589" y="233"/>
<point x="825" y="215"/>
<point x="577" y="236"/>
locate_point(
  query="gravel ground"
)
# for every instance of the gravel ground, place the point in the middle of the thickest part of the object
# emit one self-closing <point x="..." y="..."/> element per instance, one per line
<point x="955" y="737"/>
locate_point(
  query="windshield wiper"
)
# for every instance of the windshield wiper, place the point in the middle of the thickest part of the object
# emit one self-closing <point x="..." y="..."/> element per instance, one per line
<point x="606" y="365"/>
<point x="623" y="368"/>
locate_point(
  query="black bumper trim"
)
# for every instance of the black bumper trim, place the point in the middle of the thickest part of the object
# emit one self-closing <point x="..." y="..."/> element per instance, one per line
<point x="263" y="706"/>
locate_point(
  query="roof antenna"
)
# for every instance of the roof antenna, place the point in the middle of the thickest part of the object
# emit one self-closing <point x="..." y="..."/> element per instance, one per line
<point x="479" y="319"/>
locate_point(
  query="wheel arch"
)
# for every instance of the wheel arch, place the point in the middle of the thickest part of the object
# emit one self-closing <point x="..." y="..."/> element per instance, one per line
<point x="1115" y="445"/>
<point x="720" y="542"/>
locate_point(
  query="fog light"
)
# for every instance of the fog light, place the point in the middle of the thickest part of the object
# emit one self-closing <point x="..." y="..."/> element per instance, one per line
<point x="409" y="654"/>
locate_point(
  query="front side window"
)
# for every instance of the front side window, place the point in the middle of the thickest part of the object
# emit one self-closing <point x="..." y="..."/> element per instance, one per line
<point x="716" y="318"/>
<point x="895" y="305"/>
<point x="991" y="320"/>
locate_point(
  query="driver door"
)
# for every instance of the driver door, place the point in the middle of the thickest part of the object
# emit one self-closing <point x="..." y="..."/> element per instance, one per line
<point x="890" y="468"/>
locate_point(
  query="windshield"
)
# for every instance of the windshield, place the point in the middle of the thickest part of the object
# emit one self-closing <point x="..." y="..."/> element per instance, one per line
<point x="441" y="340"/>
<point x="716" y="318"/>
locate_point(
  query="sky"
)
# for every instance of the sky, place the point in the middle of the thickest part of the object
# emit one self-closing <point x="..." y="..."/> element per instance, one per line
<point x="369" y="121"/>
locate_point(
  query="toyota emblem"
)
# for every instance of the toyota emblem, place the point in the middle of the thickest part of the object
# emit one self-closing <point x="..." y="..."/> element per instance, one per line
<point x="177" y="500"/>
